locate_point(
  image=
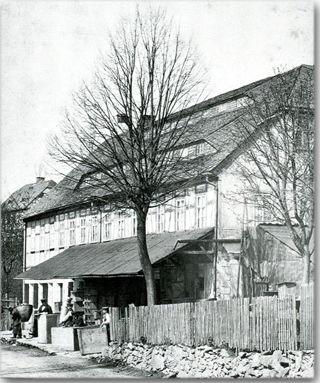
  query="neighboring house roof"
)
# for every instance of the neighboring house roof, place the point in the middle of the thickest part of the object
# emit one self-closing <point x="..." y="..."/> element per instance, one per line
<point x="27" y="194"/>
<point x="219" y="130"/>
<point x="282" y="234"/>
<point x="113" y="258"/>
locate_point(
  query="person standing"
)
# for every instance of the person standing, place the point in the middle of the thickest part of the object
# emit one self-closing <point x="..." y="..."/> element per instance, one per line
<point x="44" y="308"/>
<point x="16" y="325"/>
<point x="106" y="321"/>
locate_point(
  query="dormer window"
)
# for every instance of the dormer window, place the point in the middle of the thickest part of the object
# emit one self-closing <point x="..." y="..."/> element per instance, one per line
<point x="200" y="148"/>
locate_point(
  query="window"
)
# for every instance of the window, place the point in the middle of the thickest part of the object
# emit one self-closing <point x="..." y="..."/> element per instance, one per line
<point x="134" y="223"/>
<point x="160" y="218"/>
<point x="181" y="153"/>
<point x="107" y="227"/>
<point x="72" y="231"/>
<point x="184" y="152"/>
<point x="200" y="211"/>
<point x="201" y="188"/>
<point x="33" y="240"/>
<point x="83" y="212"/>
<point x="120" y="225"/>
<point x="180" y="214"/>
<point x="94" y="227"/>
<point x="42" y="238"/>
<point x="61" y="234"/>
<point x="52" y="236"/>
<point x="267" y="215"/>
<point x="83" y="230"/>
<point x="200" y="148"/>
<point x="258" y="213"/>
<point x="262" y="214"/>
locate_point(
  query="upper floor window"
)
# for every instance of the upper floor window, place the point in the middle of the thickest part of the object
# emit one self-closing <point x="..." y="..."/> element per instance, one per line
<point x="180" y="214"/>
<point x="120" y="225"/>
<point x="262" y="214"/>
<point x="61" y="233"/>
<point x="72" y="233"/>
<point x="82" y="230"/>
<point x="107" y="227"/>
<point x="94" y="227"/>
<point x="134" y="223"/>
<point x="200" y="211"/>
<point x="52" y="236"/>
<point x="33" y="240"/>
<point x="160" y="218"/>
<point x="42" y="238"/>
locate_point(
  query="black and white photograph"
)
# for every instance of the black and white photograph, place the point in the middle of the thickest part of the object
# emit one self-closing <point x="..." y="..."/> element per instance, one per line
<point x="157" y="189"/>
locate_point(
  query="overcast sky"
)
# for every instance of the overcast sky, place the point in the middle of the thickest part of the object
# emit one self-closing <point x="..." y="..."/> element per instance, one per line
<point x="50" y="47"/>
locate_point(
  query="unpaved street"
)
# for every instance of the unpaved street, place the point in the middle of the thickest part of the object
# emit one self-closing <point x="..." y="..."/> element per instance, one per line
<point x="22" y="362"/>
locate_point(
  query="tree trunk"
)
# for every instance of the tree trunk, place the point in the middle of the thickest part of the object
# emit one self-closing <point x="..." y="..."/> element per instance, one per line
<point x="144" y="257"/>
<point x="306" y="265"/>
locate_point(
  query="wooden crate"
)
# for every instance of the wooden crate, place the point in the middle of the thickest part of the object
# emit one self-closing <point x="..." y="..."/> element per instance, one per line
<point x="65" y="338"/>
<point x="92" y="340"/>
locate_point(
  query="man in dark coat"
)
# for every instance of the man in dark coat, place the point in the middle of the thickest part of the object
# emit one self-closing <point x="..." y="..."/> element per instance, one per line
<point x="16" y="325"/>
<point x="44" y="307"/>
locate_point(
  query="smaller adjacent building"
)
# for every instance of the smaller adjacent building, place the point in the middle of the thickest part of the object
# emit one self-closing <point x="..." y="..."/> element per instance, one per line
<point x="278" y="258"/>
<point x="12" y="239"/>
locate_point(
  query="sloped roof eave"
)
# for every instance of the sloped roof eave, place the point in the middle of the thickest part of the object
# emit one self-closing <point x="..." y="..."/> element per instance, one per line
<point x="113" y="258"/>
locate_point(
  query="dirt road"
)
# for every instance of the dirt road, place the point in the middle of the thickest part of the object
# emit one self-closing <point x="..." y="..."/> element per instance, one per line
<point x="22" y="362"/>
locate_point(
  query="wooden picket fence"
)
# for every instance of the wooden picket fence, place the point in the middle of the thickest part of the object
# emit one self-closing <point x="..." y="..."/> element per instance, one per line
<point x="261" y="323"/>
<point x="307" y="314"/>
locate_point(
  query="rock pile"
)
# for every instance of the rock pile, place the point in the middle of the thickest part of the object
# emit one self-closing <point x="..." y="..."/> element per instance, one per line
<point x="208" y="362"/>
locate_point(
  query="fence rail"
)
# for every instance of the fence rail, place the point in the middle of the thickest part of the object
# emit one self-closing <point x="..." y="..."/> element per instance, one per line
<point x="261" y="323"/>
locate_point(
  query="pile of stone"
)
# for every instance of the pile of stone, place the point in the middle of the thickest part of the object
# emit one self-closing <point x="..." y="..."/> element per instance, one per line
<point x="208" y="362"/>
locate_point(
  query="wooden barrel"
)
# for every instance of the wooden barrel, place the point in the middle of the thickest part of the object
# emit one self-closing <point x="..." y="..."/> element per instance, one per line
<point x="25" y="311"/>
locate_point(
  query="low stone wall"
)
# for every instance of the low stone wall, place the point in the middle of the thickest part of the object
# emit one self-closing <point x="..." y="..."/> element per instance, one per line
<point x="207" y="362"/>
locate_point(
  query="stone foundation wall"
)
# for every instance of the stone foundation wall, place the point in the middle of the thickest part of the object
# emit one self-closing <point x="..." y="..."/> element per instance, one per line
<point x="206" y="362"/>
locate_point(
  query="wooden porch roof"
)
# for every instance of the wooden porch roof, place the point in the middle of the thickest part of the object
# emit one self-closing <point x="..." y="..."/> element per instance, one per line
<point x="113" y="258"/>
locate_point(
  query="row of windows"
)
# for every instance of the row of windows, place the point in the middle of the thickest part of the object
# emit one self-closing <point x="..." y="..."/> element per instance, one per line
<point x="113" y="225"/>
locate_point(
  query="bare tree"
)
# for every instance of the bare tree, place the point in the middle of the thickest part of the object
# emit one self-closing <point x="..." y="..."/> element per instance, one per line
<point x="125" y="133"/>
<point x="278" y="167"/>
<point x="11" y="251"/>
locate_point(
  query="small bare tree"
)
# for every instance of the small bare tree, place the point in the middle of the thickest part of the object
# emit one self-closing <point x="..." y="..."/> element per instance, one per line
<point x="278" y="166"/>
<point x="125" y="133"/>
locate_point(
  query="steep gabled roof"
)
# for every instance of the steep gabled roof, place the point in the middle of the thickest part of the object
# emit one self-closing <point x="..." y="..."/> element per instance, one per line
<point x="219" y="129"/>
<point x="26" y="195"/>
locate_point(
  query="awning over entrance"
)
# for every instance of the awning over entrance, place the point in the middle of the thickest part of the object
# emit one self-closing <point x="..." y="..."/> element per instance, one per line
<point x="113" y="258"/>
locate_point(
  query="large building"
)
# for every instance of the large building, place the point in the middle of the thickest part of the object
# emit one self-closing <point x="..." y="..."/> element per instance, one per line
<point x="77" y="245"/>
